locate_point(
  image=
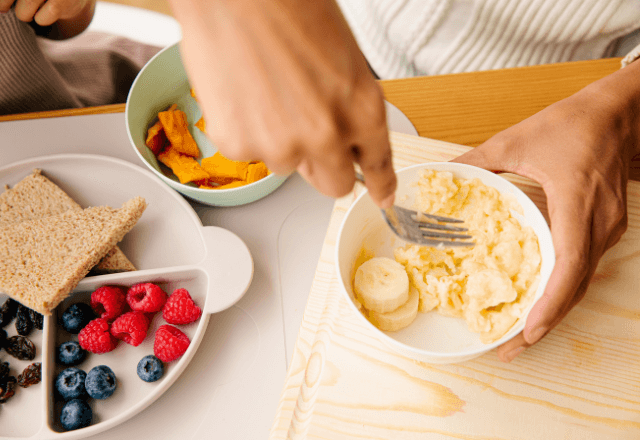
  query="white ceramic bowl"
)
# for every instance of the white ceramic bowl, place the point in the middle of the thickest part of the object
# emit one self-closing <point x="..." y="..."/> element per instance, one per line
<point x="431" y="338"/>
<point x="162" y="82"/>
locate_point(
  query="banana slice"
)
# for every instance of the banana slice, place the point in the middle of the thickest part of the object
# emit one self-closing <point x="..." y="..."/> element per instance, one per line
<point x="400" y="317"/>
<point x="381" y="285"/>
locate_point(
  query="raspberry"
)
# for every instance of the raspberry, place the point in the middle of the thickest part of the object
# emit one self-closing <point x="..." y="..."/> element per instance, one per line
<point x="131" y="327"/>
<point x="146" y="297"/>
<point x="170" y="343"/>
<point x="108" y="302"/>
<point x="95" y="337"/>
<point x="180" y="308"/>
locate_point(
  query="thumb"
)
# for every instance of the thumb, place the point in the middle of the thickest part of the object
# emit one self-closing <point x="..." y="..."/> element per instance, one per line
<point x="483" y="156"/>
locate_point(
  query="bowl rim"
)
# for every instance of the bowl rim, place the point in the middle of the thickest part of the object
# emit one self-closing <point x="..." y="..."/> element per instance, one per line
<point x="169" y="181"/>
<point x="467" y="354"/>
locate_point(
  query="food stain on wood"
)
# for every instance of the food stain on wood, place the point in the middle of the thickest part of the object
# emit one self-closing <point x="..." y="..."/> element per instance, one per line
<point x="583" y="349"/>
<point x="609" y="309"/>
<point x="400" y="391"/>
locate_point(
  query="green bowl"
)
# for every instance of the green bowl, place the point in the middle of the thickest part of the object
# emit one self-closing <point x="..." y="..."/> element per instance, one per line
<point x="162" y="82"/>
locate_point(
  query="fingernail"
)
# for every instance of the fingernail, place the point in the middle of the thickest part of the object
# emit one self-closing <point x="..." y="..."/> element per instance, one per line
<point x="513" y="353"/>
<point x="536" y="334"/>
<point x="388" y="202"/>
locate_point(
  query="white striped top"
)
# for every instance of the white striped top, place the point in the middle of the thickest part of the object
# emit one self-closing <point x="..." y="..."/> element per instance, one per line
<point x="402" y="38"/>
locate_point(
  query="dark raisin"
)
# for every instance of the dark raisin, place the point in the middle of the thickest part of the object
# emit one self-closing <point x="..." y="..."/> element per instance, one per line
<point x="3" y="337"/>
<point x="31" y="375"/>
<point x="23" y="321"/>
<point x="7" y="388"/>
<point x="8" y="312"/>
<point x="21" y="348"/>
<point x="4" y="369"/>
<point x="36" y="319"/>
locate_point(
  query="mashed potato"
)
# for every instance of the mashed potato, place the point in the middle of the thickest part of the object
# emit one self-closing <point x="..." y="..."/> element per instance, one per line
<point x="491" y="284"/>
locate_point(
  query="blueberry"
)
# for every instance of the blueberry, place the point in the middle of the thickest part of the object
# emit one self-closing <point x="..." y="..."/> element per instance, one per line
<point x="76" y="414"/>
<point x="76" y="317"/>
<point x="150" y="368"/>
<point x="70" y="353"/>
<point x="100" y="382"/>
<point x="70" y="383"/>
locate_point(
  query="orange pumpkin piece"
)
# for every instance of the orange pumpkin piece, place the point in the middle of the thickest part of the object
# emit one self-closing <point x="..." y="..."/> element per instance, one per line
<point x="201" y="125"/>
<point x="186" y="168"/>
<point x="221" y="169"/>
<point x="156" y="138"/>
<point x="235" y="184"/>
<point x="175" y="126"/>
<point x="256" y="171"/>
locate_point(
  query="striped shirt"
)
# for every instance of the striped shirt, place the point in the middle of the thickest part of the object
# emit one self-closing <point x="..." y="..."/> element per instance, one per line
<point x="402" y="38"/>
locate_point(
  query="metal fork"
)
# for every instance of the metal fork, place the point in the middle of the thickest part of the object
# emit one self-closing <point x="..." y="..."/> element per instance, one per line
<point x="410" y="226"/>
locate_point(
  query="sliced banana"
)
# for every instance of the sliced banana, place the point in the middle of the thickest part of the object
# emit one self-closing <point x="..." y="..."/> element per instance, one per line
<point x="400" y="317"/>
<point x="381" y="285"/>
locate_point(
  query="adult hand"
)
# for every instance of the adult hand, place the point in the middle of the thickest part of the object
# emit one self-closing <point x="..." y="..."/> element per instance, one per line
<point x="284" y="81"/>
<point x="579" y="150"/>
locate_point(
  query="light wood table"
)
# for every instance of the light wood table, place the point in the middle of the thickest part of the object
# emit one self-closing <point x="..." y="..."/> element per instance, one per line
<point x="580" y="382"/>
<point x="469" y="108"/>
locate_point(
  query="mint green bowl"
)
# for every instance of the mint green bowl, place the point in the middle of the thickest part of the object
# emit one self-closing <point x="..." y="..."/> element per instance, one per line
<point x="162" y="82"/>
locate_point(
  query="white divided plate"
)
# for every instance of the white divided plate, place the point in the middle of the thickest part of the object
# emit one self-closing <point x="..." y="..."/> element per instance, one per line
<point x="169" y="246"/>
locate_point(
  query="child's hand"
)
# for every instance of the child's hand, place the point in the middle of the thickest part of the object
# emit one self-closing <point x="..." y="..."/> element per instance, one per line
<point x="45" y="12"/>
<point x="61" y="18"/>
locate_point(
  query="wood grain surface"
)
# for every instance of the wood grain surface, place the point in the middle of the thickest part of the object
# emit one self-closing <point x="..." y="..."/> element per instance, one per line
<point x="582" y="381"/>
<point x="469" y="108"/>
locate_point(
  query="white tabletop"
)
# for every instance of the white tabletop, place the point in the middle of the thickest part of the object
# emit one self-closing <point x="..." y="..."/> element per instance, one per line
<point x="231" y="388"/>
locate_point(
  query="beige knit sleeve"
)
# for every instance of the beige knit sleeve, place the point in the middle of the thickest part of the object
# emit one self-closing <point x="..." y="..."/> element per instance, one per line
<point x="630" y="57"/>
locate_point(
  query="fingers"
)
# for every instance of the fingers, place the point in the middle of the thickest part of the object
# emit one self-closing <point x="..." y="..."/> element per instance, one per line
<point x="515" y="346"/>
<point x="44" y="12"/>
<point x="512" y="348"/>
<point x="376" y="165"/>
<point x="571" y="220"/>
<point x="486" y="156"/>
<point x="26" y="9"/>
<point x="333" y="176"/>
<point x="371" y="146"/>
<point x="571" y="224"/>
<point x="5" y="5"/>
<point x="50" y="12"/>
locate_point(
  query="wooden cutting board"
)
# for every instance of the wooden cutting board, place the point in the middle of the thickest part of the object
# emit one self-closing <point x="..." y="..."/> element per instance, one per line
<point x="582" y="381"/>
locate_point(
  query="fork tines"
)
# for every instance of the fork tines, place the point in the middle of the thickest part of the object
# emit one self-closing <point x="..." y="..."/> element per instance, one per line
<point x="435" y="234"/>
